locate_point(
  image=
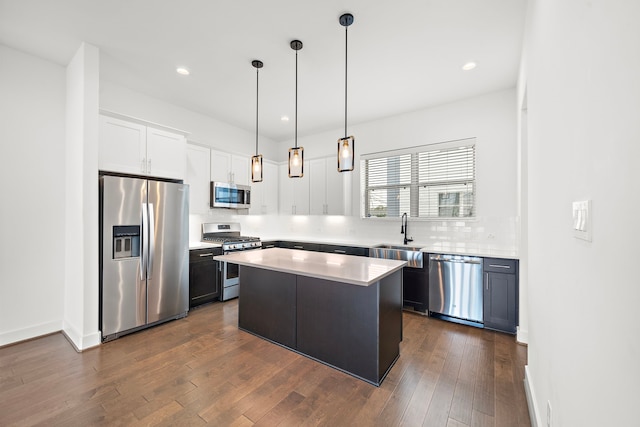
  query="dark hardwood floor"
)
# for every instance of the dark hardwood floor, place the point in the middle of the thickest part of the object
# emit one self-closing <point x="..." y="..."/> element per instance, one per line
<point x="203" y="370"/>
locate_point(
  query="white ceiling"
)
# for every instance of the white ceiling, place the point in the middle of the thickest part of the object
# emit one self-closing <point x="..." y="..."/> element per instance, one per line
<point x="403" y="55"/>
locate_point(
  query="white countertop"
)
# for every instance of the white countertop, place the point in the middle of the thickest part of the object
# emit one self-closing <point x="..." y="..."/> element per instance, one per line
<point x="354" y="270"/>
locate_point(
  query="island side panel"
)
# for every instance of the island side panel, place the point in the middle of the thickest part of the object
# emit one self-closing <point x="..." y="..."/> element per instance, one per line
<point x="390" y="325"/>
<point x="268" y="304"/>
<point x="338" y="324"/>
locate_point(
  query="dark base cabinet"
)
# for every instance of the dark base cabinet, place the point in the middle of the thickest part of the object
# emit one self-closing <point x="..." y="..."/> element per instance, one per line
<point x="356" y="329"/>
<point x="501" y="294"/>
<point x="204" y="279"/>
<point x="415" y="285"/>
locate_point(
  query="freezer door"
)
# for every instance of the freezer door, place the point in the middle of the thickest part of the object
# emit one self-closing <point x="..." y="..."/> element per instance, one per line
<point x="168" y="271"/>
<point x="123" y="285"/>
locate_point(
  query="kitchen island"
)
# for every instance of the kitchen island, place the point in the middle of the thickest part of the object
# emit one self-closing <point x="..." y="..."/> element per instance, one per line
<point x="344" y="311"/>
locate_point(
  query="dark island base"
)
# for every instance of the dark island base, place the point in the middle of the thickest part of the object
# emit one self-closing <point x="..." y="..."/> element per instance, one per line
<point x="356" y="329"/>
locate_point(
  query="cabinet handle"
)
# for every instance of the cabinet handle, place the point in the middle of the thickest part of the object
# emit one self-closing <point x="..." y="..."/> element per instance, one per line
<point x="486" y="280"/>
<point x="338" y="251"/>
<point x="149" y="166"/>
<point x="298" y="247"/>
<point x="204" y="255"/>
<point x="500" y="266"/>
<point x="143" y="163"/>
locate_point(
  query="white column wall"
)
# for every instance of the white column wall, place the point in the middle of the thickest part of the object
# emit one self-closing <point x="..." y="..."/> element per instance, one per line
<point x="583" y="99"/>
<point x="81" y="182"/>
<point x="32" y="187"/>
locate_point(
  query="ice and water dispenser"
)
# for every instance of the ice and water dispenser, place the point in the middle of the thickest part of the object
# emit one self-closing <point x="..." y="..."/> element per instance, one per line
<point x="126" y="241"/>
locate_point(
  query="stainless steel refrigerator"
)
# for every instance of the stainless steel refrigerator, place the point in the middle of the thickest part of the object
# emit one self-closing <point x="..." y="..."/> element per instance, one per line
<point x="144" y="253"/>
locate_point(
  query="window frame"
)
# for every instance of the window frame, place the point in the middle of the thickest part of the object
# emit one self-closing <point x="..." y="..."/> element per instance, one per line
<point x="415" y="184"/>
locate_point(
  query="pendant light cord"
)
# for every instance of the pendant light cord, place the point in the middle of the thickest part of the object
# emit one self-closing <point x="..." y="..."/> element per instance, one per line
<point x="296" y="118"/>
<point x="346" y="32"/>
<point x="257" y="94"/>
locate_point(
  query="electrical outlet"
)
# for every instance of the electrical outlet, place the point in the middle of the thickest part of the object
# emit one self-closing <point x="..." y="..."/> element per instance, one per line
<point x="548" y="413"/>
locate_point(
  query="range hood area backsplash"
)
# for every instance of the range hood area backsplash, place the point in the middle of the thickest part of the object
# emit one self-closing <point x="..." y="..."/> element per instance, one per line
<point x="498" y="234"/>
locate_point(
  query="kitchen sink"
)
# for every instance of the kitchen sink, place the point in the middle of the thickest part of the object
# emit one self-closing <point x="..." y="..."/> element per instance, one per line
<point x="413" y="255"/>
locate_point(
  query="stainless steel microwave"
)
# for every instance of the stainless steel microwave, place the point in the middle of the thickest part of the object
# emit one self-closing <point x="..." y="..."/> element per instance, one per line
<point x="227" y="195"/>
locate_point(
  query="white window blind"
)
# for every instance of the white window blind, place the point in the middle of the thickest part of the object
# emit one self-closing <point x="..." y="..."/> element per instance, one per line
<point x="430" y="181"/>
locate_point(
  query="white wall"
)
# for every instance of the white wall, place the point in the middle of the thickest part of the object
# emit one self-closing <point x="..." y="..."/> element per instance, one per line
<point x="32" y="222"/>
<point x="81" y="239"/>
<point x="490" y="118"/>
<point x="583" y="101"/>
<point x="202" y="129"/>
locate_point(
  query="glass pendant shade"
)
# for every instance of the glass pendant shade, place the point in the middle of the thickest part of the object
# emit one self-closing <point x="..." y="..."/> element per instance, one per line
<point x="345" y="154"/>
<point x="256" y="168"/>
<point x="296" y="162"/>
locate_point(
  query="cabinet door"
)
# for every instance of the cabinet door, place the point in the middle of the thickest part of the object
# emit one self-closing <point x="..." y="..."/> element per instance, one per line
<point x="198" y="176"/>
<point x="500" y="304"/>
<point x="240" y="170"/>
<point x="122" y="146"/>
<point x="264" y="195"/>
<point x="166" y="154"/>
<point x="270" y="189"/>
<point x="285" y="191"/>
<point x="335" y="188"/>
<point x="317" y="187"/>
<point x="301" y="192"/>
<point x="220" y="166"/>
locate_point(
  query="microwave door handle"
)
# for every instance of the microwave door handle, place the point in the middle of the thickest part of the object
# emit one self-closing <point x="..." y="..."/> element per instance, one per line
<point x="143" y="242"/>
<point x="152" y="239"/>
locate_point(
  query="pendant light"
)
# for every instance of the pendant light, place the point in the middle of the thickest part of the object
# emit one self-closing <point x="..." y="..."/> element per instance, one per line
<point x="346" y="145"/>
<point x="296" y="154"/>
<point x="256" y="161"/>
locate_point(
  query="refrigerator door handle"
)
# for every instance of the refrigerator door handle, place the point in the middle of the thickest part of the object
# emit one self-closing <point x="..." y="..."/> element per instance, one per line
<point x="151" y="234"/>
<point x="144" y="242"/>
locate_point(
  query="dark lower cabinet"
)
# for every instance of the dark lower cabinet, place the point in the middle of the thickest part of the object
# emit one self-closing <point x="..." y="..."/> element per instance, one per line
<point x="204" y="280"/>
<point x="317" y="247"/>
<point x="345" y="250"/>
<point x="501" y="294"/>
<point x="415" y="287"/>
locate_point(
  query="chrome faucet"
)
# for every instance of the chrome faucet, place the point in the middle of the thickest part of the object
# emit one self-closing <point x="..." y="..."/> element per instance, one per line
<point x="404" y="229"/>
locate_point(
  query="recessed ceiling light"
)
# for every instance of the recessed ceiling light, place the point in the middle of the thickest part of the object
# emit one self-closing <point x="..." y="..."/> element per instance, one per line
<point x="284" y="118"/>
<point x="469" y="66"/>
<point x="183" y="71"/>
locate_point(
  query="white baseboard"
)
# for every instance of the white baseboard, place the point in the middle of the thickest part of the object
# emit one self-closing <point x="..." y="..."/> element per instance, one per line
<point x="534" y="414"/>
<point x="522" y="336"/>
<point x="30" y="332"/>
<point x="80" y="342"/>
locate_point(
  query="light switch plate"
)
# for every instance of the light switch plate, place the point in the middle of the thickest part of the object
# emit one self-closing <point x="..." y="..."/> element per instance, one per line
<point x="582" y="220"/>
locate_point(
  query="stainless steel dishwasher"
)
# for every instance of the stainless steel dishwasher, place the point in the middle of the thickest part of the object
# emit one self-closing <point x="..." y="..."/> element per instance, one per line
<point x="455" y="288"/>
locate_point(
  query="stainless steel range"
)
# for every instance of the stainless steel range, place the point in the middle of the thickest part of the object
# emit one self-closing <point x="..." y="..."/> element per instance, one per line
<point x="228" y="235"/>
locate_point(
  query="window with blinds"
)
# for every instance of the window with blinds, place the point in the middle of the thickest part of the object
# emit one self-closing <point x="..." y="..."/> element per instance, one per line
<point x="430" y="181"/>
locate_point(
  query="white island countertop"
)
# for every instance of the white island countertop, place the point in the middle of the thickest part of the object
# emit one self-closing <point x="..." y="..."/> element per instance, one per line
<point x="354" y="270"/>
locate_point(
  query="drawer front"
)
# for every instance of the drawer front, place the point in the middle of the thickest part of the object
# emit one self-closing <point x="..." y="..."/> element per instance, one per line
<point x="305" y="246"/>
<point x="500" y="265"/>
<point x="345" y="250"/>
<point x="201" y="255"/>
<point x="271" y="244"/>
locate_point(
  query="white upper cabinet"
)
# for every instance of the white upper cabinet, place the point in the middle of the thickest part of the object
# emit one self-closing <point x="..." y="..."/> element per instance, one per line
<point x="166" y="154"/>
<point x="198" y="172"/>
<point x="325" y="187"/>
<point x="264" y="195"/>
<point x="122" y="146"/>
<point x="294" y="192"/>
<point x="131" y="147"/>
<point x="226" y="167"/>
